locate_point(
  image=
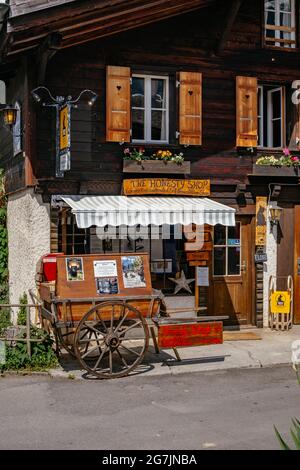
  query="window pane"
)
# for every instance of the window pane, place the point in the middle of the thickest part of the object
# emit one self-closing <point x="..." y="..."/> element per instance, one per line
<point x="285" y="5"/>
<point x="285" y="19"/>
<point x="234" y="261"/>
<point x="158" y="93"/>
<point x="138" y="124"/>
<point x="234" y="237"/>
<point x="277" y="133"/>
<point x="138" y="92"/>
<point x="270" y="5"/>
<point x="220" y="261"/>
<point x="276" y="100"/>
<point x="158" y="125"/>
<point x="220" y="235"/>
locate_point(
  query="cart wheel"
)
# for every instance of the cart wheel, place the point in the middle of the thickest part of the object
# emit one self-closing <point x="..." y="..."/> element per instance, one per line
<point x="66" y="339"/>
<point x="111" y="339"/>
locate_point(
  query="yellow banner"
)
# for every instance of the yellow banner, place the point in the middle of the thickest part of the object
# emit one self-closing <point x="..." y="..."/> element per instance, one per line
<point x="64" y="142"/>
<point x="261" y="221"/>
<point x="137" y="187"/>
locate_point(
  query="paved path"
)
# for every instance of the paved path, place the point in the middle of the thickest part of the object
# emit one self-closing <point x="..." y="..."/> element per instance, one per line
<point x="273" y="349"/>
<point x="220" y="409"/>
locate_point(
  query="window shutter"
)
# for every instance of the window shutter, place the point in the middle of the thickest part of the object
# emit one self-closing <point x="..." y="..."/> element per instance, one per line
<point x="190" y="108"/>
<point x="118" y="107"/>
<point x="246" y="112"/>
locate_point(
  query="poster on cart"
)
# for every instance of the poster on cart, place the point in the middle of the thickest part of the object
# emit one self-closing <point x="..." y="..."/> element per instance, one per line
<point x="107" y="285"/>
<point x="105" y="268"/>
<point x="133" y="272"/>
<point x="106" y="276"/>
<point x="75" y="270"/>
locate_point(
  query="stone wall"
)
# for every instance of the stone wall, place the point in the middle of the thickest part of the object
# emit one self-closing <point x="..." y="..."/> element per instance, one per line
<point x="28" y="222"/>
<point x="270" y="268"/>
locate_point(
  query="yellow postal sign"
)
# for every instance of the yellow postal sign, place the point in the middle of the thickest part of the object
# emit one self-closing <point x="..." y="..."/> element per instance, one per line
<point x="166" y="186"/>
<point x="280" y="302"/>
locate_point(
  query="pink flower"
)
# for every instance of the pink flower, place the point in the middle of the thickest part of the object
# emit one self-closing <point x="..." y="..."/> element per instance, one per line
<point x="127" y="151"/>
<point x="286" y="152"/>
<point x="295" y="159"/>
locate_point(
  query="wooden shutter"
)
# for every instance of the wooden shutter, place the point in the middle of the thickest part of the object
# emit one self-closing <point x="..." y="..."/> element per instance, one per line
<point x="246" y="112"/>
<point x="190" y="108"/>
<point x="118" y="106"/>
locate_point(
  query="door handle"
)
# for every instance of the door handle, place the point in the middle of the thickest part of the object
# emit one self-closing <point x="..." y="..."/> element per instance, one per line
<point x="243" y="267"/>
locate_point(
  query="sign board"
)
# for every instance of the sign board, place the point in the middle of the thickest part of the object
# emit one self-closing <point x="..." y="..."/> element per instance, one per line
<point x="139" y="186"/>
<point x="261" y="221"/>
<point x="260" y="257"/>
<point x="202" y="279"/>
<point x="281" y="302"/>
<point x="63" y="139"/>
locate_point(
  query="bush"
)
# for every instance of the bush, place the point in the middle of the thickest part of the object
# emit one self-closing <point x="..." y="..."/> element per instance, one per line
<point x="42" y="354"/>
<point x="21" y="320"/>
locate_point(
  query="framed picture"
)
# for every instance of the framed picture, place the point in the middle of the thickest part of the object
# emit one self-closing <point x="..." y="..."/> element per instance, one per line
<point x="133" y="272"/>
<point x="75" y="270"/>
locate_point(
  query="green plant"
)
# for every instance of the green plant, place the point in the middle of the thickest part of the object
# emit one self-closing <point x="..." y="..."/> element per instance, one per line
<point x="165" y="156"/>
<point x="42" y="354"/>
<point x="295" y="433"/>
<point x="286" y="159"/>
<point x="295" y="429"/>
<point x="22" y="313"/>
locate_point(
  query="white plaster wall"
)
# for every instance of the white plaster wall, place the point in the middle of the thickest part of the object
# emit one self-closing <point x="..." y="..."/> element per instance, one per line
<point x="270" y="268"/>
<point x="28" y="221"/>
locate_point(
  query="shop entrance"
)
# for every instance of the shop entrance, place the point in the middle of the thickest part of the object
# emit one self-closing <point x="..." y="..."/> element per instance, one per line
<point x="232" y="287"/>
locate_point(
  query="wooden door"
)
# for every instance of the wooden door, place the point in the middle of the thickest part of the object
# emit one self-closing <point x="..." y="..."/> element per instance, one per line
<point x="297" y="266"/>
<point x="232" y="272"/>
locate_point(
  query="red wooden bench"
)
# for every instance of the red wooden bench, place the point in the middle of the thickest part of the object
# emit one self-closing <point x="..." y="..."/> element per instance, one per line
<point x="176" y="333"/>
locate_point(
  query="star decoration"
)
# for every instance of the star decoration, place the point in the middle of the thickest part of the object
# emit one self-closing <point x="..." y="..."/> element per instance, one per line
<point x="182" y="283"/>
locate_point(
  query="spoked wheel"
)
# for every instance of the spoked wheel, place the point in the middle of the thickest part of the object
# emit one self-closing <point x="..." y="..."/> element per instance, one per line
<point x="111" y="339"/>
<point x="66" y="339"/>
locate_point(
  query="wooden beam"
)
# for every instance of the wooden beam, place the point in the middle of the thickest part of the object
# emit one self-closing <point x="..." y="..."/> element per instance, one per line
<point x="228" y="23"/>
<point x="45" y="52"/>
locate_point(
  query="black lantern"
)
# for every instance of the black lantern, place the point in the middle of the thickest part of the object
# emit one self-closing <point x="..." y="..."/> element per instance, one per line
<point x="9" y="116"/>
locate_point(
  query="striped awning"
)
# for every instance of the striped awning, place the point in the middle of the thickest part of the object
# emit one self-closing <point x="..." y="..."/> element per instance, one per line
<point x="121" y="210"/>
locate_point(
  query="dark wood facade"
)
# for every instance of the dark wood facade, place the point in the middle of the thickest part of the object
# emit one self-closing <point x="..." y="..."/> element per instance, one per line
<point x="221" y="40"/>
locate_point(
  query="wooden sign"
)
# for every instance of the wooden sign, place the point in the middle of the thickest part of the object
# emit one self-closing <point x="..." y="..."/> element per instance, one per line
<point x="137" y="187"/>
<point x="64" y="135"/>
<point x="63" y="139"/>
<point x="185" y="335"/>
<point x="261" y="221"/>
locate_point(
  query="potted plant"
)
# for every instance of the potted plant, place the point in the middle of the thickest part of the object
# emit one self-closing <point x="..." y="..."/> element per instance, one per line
<point x="162" y="161"/>
<point x="284" y="165"/>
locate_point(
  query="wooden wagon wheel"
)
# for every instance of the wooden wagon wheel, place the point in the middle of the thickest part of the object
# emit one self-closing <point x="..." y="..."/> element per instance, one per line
<point x="63" y="336"/>
<point x="111" y="339"/>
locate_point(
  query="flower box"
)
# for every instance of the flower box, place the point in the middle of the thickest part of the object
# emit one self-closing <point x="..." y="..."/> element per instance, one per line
<point x="267" y="170"/>
<point x="156" y="166"/>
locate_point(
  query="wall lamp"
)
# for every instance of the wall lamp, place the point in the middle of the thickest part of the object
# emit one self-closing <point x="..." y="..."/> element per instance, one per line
<point x="61" y="100"/>
<point x="275" y="215"/>
<point x="9" y="114"/>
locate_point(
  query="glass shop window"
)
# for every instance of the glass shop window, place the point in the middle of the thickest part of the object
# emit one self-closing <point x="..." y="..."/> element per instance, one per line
<point x="227" y="250"/>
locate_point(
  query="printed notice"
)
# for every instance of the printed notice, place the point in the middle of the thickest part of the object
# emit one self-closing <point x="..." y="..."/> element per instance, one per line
<point x="105" y="268"/>
<point x="202" y="277"/>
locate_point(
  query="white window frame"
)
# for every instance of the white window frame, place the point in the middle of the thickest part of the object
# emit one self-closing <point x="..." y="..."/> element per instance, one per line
<point x="226" y="246"/>
<point x="277" y="12"/>
<point x="269" y="110"/>
<point x="260" y="116"/>
<point x="271" y="119"/>
<point x="148" y="109"/>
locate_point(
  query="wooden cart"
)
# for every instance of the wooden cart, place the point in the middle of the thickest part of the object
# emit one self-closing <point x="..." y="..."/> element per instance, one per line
<point x="102" y="310"/>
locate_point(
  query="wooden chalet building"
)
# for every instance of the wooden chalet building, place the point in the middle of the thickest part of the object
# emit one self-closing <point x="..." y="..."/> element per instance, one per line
<point x="211" y="79"/>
